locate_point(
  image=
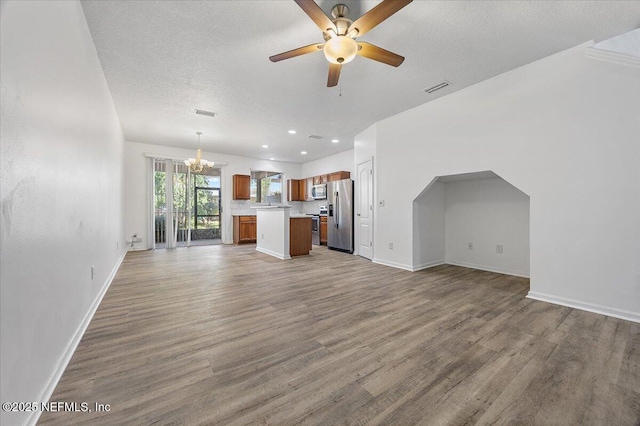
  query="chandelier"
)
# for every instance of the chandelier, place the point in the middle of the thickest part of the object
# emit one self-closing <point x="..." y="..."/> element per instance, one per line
<point x="197" y="165"/>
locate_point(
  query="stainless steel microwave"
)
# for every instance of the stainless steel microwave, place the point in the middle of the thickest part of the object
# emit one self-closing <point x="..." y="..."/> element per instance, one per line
<point x="319" y="192"/>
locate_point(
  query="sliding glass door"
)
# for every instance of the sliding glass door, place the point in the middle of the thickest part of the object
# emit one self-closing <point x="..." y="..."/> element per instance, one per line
<point x="186" y="206"/>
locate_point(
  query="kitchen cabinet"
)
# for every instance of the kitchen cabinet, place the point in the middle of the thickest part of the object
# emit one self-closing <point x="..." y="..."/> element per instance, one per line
<point x="318" y="180"/>
<point x="338" y="176"/>
<point x="309" y="189"/>
<point x="323" y="230"/>
<point x="241" y="187"/>
<point x="244" y="229"/>
<point x="299" y="236"/>
<point x="297" y="190"/>
<point x="293" y="190"/>
<point x="302" y="189"/>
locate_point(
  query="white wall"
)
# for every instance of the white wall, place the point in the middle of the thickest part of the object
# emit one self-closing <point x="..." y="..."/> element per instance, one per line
<point x="564" y="130"/>
<point x="62" y="186"/>
<point x="342" y="161"/>
<point x="365" y="145"/>
<point x="487" y="212"/>
<point x="136" y="198"/>
<point x="429" y="227"/>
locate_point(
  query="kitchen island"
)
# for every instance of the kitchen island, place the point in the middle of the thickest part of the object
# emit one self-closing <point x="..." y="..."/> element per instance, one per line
<point x="282" y="234"/>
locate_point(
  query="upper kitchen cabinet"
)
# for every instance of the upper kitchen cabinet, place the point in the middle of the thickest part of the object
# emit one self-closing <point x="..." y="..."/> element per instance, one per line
<point x="293" y="190"/>
<point x="319" y="180"/>
<point x="297" y="190"/>
<point x="302" y="189"/>
<point x="309" y="189"/>
<point x="338" y="176"/>
<point x="241" y="187"/>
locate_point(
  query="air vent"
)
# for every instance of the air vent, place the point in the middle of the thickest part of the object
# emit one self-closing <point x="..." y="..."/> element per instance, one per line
<point x="207" y="113"/>
<point x="315" y="137"/>
<point x="438" y="86"/>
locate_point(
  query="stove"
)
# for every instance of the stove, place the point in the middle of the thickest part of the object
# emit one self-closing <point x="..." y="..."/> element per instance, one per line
<point x="315" y="230"/>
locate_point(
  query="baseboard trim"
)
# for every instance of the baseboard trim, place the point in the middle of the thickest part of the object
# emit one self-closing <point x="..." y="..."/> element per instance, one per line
<point x="487" y="268"/>
<point x="72" y="345"/>
<point x="414" y="268"/>
<point x="393" y="264"/>
<point x="585" y="306"/>
<point x="272" y="253"/>
<point x="427" y="265"/>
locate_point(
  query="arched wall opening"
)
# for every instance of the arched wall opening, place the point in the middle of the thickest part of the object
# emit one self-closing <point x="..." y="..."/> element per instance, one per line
<point x="477" y="220"/>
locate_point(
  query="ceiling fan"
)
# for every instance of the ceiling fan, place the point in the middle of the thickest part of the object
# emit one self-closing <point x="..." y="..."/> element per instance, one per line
<point x="340" y="46"/>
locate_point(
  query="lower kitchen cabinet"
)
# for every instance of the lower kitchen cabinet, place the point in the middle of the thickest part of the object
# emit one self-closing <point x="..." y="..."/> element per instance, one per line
<point x="323" y="230"/>
<point x="244" y="229"/>
<point x="299" y="236"/>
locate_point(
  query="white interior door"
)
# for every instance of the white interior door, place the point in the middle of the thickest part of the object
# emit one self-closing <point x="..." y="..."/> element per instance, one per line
<point x="364" y="214"/>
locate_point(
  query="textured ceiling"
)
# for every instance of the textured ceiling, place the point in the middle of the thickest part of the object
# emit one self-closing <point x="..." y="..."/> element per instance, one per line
<point x="164" y="59"/>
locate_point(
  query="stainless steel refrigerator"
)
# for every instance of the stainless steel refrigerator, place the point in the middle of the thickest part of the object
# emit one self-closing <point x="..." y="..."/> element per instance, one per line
<point x="340" y="215"/>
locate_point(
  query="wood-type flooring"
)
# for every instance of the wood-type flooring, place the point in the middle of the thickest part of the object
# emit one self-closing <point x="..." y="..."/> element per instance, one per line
<point x="226" y="335"/>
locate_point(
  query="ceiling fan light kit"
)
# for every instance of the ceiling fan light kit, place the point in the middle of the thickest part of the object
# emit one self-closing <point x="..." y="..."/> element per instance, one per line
<point x="339" y="33"/>
<point x="340" y="50"/>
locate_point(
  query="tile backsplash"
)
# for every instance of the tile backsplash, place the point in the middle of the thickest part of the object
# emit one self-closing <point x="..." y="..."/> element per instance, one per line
<point x="243" y="207"/>
<point x="313" y="206"/>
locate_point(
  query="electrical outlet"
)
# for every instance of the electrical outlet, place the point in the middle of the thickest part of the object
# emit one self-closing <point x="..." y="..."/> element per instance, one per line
<point x="92" y="271"/>
<point x="470" y="246"/>
<point x="381" y="203"/>
<point x="498" y="248"/>
<point x="390" y="246"/>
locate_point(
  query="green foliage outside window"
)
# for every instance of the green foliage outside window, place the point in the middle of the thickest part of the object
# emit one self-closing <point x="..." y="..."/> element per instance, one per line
<point x="208" y="202"/>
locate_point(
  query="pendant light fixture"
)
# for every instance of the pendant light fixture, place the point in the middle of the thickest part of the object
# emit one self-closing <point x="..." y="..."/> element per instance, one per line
<point x="197" y="165"/>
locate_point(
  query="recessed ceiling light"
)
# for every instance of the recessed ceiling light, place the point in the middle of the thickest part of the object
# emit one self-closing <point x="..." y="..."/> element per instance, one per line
<point x="303" y="152"/>
<point x="271" y="158"/>
<point x="265" y="146"/>
<point x="292" y="132"/>
<point x="335" y="140"/>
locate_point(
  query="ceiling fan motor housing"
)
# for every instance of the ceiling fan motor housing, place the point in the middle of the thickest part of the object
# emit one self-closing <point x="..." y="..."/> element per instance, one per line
<point x="339" y="14"/>
<point x="340" y="11"/>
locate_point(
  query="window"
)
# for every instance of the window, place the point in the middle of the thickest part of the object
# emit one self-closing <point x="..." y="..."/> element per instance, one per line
<point x="266" y="187"/>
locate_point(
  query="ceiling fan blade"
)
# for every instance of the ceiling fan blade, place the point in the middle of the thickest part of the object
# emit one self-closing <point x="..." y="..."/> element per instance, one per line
<point x="376" y="15"/>
<point x="317" y="15"/>
<point x="334" y="74"/>
<point x="297" y="52"/>
<point x="379" y="54"/>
